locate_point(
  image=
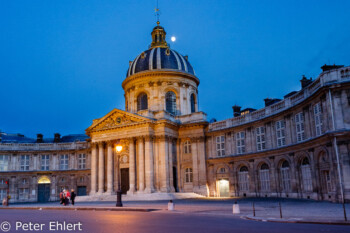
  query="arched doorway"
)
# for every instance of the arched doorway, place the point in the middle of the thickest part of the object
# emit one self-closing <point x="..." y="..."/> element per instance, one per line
<point x="44" y="189"/>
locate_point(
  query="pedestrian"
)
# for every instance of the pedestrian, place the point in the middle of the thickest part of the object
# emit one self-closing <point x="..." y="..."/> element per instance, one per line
<point x="67" y="197"/>
<point x="72" y="196"/>
<point x="61" y="197"/>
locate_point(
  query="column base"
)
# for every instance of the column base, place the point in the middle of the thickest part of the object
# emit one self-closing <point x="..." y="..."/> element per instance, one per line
<point x="100" y="192"/>
<point x="92" y="193"/>
<point x="165" y="189"/>
<point x="149" y="190"/>
<point x="109" y="193"/>
<point x="131" y="191"/>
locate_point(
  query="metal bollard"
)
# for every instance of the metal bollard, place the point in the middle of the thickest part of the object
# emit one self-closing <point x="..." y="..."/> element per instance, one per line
<point x="171" y="205"/>
<point x="235" y="208"/>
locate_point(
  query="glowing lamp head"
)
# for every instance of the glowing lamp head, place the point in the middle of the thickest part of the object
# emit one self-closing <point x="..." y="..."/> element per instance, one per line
<point x="119" y="148"/>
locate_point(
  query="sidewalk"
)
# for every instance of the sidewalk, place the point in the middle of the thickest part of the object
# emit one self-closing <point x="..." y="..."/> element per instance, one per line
<point x="266" y="209"/>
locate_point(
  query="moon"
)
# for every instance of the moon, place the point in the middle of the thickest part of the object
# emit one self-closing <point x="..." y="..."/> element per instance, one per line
<point x="173" y="38"/>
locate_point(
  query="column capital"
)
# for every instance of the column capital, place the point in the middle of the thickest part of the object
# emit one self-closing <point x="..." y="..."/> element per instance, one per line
<point x="101" y="144"/>
<point x="149" y="137"/>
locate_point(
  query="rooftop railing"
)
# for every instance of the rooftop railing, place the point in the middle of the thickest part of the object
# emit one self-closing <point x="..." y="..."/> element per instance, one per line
<point x="338" y="75"/>
<point x="43" y="146"/>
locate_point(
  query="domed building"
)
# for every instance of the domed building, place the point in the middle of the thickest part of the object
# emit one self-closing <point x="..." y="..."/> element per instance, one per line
<point x="161" y="144"/>
<point x="295" y="147"/>
<point x="161" y="113"/>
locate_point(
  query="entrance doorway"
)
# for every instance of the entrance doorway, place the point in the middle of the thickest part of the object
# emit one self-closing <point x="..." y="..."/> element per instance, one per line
<point x="81" y="191"/>
<point x="223" y="188"/>
<point x="44" y="189"/>
<point x="175" y="179"/>
<point x="43" y="192"/>
<point x="124" y="177"/>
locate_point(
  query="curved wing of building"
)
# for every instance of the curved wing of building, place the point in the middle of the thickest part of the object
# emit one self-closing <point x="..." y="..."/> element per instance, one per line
<point x="161" y="143"/>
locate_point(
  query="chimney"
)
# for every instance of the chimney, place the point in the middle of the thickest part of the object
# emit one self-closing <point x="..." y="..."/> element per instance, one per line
<point x="236" y="110"/>
<point x="305" y="82"/>
<point x="39" y="138"/>
<point x="326" y="67"/>
<point x="57" y="137"/>
<point x="269" y="101"/>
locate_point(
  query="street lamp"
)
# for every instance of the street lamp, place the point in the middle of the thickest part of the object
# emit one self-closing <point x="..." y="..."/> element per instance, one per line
<point x="118" y="149"/>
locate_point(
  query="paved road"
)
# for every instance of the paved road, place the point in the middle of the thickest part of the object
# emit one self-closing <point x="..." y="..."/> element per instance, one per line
<point x="157" y="221"/>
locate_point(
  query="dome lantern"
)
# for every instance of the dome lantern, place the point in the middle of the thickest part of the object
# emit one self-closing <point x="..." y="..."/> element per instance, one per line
<point x="158" y="37"/>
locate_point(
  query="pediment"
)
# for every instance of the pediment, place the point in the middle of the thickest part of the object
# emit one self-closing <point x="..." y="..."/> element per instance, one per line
<point x="116" y="118"/>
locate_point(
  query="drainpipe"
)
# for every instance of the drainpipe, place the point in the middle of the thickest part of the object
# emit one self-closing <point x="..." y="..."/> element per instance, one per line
<point x="337" y="154"/>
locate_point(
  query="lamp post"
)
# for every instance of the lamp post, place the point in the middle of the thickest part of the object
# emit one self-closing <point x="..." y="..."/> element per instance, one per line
<point x="118" y="149"/>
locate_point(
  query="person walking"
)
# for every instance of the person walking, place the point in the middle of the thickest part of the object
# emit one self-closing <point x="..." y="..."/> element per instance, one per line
<point x="72" y="196"/>
<point x="61" y="197"/>
<point x="67" y="197"/>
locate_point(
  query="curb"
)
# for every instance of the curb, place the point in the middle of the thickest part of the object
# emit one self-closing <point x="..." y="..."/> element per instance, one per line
<point x="295" y="221"/>
<point x="82" y="208"/>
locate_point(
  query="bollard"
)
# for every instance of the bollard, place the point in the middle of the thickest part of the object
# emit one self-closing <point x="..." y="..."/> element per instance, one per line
<point x="279" y="203"/>
<point x="171" y="205"/>
<point x="253" y="209"/>
<point x="235" y="208"/>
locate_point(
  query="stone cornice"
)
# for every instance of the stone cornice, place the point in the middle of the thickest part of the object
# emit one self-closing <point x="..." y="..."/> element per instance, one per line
<point x="162" y="73"/>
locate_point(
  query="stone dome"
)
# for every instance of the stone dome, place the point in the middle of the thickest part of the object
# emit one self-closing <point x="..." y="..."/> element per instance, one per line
<point x="159" y="57"/>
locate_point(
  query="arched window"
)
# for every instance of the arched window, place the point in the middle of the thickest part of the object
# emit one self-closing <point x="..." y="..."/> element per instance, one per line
<point x="306" y="175"/>
<point x="264" y="177"/>
<point x="170" y="99"/>
<point x="193" y="104"/>
<point x="285" y="176"/>
<point x="187" y="147"/>
<point x="188" y="175"/>
<point x="142" y="101"/>
<point x="243" y="179"/>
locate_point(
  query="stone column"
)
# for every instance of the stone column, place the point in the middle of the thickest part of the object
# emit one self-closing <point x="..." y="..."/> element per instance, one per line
<point x="195" y="164"/>
<point x="110" y="168"/>
<point x="164" y="168"/>
<point x="93" y="168"/>
<point x="141" y="168"/>
<point x="101" y="171"/>
<point x="149" y="165"/>
<point x="171" y="158"/>
<point x="202" y="174"/>
<point x="132" y="173"/>
<point x="178" y="160"/>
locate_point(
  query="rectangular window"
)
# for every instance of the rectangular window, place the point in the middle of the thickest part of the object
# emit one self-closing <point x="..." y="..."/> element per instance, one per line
<point x="260" y="138"/>
<point x="81" y="161"/>
<point x="240" y="144"/>
<point x="3" y="193"/>
<point x="307" y="179"/>
<point x="281" y="133"/>
<point x="24" y="162"/>
<point x="264" y="180"/>
<point x="23" y="193"/>
<point x="299" y="124"/>
<point x="243" y="181"/>
<point x="318" y="118"/>
<point x="45" y="162"/>
<point x="285" y="179"/>
<point x="4" y="162"/>
<point x="220" y="145"/>
<point x="64" y="162"/>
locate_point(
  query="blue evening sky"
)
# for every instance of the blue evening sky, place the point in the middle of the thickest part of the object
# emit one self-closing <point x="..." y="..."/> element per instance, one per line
<point x="62" y="62"/>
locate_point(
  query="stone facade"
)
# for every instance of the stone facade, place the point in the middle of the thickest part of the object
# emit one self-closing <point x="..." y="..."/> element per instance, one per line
<point x="297" y="147"/>
<point x="39" y="171"/>
<point x="301" y="161"/>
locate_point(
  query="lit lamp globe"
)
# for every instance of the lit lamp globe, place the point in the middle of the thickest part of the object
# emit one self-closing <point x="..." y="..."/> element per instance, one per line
<point x="119" y="148"/>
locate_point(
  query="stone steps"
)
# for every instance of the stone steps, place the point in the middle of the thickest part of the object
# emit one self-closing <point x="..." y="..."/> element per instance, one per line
<point x="138" y="197"/>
